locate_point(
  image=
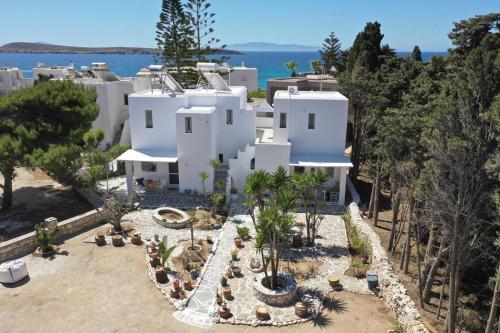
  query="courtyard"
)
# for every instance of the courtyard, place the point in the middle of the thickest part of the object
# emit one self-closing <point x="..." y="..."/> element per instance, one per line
<point x="86" y="288"/>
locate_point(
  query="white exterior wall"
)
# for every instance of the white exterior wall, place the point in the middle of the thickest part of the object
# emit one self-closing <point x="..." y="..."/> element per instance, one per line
<point x="243" y="76"/>
<point x="269" y="156"/>
<point x="328" y="136"/>
<point x="195" y="150"/>
<point x="163" y="134"/>
<point x="12" y="79"/>
<point x="239" y="168"/>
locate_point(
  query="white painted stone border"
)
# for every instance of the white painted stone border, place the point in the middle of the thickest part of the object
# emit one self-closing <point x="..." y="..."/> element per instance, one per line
<point x="393" y="291"/>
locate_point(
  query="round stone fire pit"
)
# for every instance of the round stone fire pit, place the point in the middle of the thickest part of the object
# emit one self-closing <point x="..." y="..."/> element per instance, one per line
<point x="171" y="217"/>
<point x="285" y="295"/>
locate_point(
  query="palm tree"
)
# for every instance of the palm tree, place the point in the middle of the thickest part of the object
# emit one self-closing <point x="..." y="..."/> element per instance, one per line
<point x="165" y="252"/>
<point x="203" y="176"/>
<point x="307" y="187"/>
<point x="292" y="66"/>
<point x="273" y="230"/>
<point x="257" y="184"/>
<point x="280" y="179"/>
<point x="286" y="199"/>
<point x="316" y="66"/>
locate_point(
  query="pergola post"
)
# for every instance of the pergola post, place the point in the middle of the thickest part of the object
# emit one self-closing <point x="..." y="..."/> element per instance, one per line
<point x="130" y="176"/>
<point x="342" y="183"/>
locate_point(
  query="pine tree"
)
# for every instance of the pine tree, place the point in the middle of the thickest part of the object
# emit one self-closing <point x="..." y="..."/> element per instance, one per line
<point x="416" y="54"/>
<point x="331" y="53"/>
<point x="366" y="48"/>
<point x="174" y="35"/>
<point x="202" y="21"/>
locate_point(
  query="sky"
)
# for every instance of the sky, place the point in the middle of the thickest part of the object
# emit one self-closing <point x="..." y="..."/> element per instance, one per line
<point x="132" y="22"/>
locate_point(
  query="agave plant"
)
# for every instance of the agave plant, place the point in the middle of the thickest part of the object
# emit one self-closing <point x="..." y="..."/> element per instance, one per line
<point x="165" y="252"/>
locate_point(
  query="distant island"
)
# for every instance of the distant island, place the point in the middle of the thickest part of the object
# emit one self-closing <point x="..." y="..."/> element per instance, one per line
<point x="23" y="47"/>
<point x="272" y="47"/>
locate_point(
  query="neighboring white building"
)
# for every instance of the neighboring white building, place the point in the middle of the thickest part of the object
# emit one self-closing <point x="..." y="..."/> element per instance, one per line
<point x="241" y="76"/>
<point x="112" y="98"/>
<point x="11" y="78"/>
<point x="54" y="72"/>
<point x="175" y="133"/>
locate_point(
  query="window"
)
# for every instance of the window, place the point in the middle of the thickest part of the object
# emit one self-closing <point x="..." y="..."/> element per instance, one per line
<point x="173" y="167"/>
<point x="188" y="128"/>
<point x="265" y="114"/>
<point x="282" y="120"/>
<point x="311" y="123"/>
<point x="252" y="164"/>
<point x="299" y="169"/>
<point x="149" y="119"/>
<point x="173" y="179"/>
<point x="148" y="166"/>
<point x="229" y="116"/>
<point x="125" y="99"/>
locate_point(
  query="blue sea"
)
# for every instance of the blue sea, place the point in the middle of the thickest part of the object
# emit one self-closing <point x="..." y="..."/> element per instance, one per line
<point x="270" y="64"/>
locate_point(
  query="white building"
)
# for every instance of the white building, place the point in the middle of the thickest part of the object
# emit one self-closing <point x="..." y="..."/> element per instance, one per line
<point x="112" y="98"/>
<point x="11" y="78"/>
<point x="241" y="76"/>
<point x="54" y="72"/>
<point x="176" y="133"/>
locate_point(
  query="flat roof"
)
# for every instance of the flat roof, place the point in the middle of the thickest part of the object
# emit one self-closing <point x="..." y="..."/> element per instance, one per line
<point x="235" y="91"/>
<point x="197" y="109"/>
<point x="317" y="160"/>
<point x="149" y="155"/>
<point x="331" y="95"/>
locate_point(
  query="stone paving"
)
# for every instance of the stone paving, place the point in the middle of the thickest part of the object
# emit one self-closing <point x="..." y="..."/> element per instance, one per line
<point x="200" y="308"/>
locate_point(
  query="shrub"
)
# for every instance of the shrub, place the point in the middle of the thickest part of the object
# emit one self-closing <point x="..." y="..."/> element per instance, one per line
<point x="44" y="237"/>
<point x="243" y="232"/>
<point x="223" y="281"/>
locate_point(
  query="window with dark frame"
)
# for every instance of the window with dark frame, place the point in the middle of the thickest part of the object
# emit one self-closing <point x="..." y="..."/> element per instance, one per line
<point x="299" y="169"/>
<point x="125" y="99"/>
<point x="148" y="166"/>
<point x="311" y="122"/>
<point x="229" y="116"/>
<point x="149" y="119"/>
<point x="188" y="125"/>
<point x="173" y="179"/>
<point x="282" y="120"/>
<point x="252" y="164"/>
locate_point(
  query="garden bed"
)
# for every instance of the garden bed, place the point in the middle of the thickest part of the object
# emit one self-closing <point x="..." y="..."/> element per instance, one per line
<point x="205" y="219"/>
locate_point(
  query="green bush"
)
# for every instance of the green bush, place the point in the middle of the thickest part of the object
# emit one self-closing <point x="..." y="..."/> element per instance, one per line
<point x="243" y="232"/>
<point x="259" y="93"/>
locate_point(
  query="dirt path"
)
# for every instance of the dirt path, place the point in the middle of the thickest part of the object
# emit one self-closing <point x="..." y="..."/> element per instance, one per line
<point x="91" y="289"/>
<point x="37" y="196"/>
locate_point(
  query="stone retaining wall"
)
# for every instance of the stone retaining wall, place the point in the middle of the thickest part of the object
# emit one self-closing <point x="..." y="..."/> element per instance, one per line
<point x="393" y="291"/>
<point x="26" y="243"/>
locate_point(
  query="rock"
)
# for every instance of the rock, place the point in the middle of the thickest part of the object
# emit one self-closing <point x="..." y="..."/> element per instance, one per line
<point x="254" y="323"/>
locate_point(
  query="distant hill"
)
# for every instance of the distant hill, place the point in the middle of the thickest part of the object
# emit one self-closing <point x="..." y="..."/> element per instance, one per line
<point x="261" y="46"/>
<point x="22" y="47"/>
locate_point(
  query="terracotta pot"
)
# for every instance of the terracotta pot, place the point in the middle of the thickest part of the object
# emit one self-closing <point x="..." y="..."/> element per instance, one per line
<point x="261" y="313"/>
<point x="237" y="242"/>
<point x="226" y="293"/>
<point x="117" y="240"/>
<point x="297" y="240"/>
<point x="136" y="239"/>
<point x="300" y="309"/>
<point x="334" y="281"/>
<point x="224" y="312"/>
<point x="229" y="274"/>
<point x="100" y="240"/>
<point x="236" y="271"/>
<point x="161" y="275"/>
<point x="187" y="285"/>
<point x="154" y="255"/>
<point x="175" y="284"/>
<point x="174" y="293"/>
<point x="155" y="262"/>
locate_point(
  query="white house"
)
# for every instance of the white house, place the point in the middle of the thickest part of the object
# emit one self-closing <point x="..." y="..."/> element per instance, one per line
<point x="241" y="76"/>
<point x="112" y="98"/>
<point x="175" y="133"/>
<point x="11" y="78"/>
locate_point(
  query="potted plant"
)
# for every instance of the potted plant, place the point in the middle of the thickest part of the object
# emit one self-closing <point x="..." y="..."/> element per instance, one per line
<point x="234" y="254"/>
<point x="229" y="272"/>
<point x="161" y="275"/>
<point x="44" y="238"/>
<point x="218" y="299"/>
<point x="175" y="284"/>
<point x="226" y="291"/>
<point x="243" y="232"/>
<point x="164" y="253"/>
<point x="187" y="285"/>
<point x="100" y="240"/>
<point x="223" y="281"/>
<point x="182" y="294"/>
<point x="136" y="239"/>
<point x="224" y="311"/>
<point x="117" y="240"/>
<point x="154" y="259"/>
<point x="209" y="239"/>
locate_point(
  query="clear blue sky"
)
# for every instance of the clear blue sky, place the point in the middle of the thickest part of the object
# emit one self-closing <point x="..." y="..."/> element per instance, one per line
<point x="132" y="22"/>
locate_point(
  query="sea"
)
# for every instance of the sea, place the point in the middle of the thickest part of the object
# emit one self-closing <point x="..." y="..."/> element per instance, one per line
<point x="269" y="64"/>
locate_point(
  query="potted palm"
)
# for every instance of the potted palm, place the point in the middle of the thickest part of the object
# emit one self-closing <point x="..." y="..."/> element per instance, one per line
<point x="234" y="254"/>
<point x="164" y="254"/>
<point x="44" y="238"/>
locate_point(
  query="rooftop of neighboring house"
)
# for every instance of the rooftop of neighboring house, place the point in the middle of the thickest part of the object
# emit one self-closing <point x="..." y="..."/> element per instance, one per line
<point x="319" y="95"/>
<point x="235" y="91"/>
